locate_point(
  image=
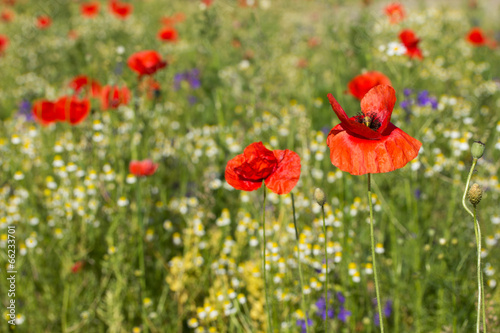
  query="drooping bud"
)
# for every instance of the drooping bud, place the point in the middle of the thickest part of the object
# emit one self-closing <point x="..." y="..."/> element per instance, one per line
<point x="475" y="194"/>
<point x="319" y="196"/>
<point x="477" y="149"/>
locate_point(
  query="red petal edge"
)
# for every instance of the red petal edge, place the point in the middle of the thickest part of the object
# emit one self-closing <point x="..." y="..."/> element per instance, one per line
<point x="287" y="174"/>
<point x="234" y="180"/>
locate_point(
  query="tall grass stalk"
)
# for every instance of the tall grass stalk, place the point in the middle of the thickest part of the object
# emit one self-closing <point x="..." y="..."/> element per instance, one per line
<point x="268" y="304"/>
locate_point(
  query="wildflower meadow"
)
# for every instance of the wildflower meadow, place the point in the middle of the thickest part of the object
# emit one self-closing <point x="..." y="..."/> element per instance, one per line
<point x="249" y="166"/>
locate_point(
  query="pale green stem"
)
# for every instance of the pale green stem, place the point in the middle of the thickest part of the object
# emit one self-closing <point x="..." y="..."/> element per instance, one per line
<point x="477" y="231"/>
<point x="326" y="270"/>
<point x="379" y="305"/>
<point x="302" y="299"/>
<point x="141" y="256"/>
<point x="268" y="304"/>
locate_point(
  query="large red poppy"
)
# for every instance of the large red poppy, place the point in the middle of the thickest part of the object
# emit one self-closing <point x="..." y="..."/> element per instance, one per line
<point x="279" y="169"/>
<point x="362" y="83"/>
<point x="44" y="112"/>
<point x="369" y="142"/>
<point x="113" y="96"/>
<point x="410" y="41"/>
<point x="82" y="82"/>
<point x="90" y="9"/>
<point x="120" y="9"/>
<point x="146" y="62"/>
<point x="72" y="109"/>
<point x="142" y="168"/>
<point x="395" y="11"/>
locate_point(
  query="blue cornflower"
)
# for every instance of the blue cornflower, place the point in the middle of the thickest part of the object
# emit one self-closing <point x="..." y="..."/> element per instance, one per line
<point x="322" y="312"/>
<point x="192" y="77"/>
<point x="344" y="314"/>
<point x="25" y="110"/>
<point x="302" y="324"/>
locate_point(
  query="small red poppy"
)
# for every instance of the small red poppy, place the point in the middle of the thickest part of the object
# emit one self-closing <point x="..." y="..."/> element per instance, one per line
<point x="71" y="109"/>
<point x="4" y="42"/>
<point x="113" y="96"/>
<point x="142" y="168"/>
<point x="150" y="87"/>
<point x="279" y="169"/>
<point x="43" y="22"/>
<point x="410" y="41"/>
<point x="395" y="11"/>
<point x="7" y="15"/>
<point x="207" y="3"/>
<point x="120" y="9"/>
<point x="146" y="62"/>
<point x="369" y="142"/>
<point x="248" y="3"/>
<point x="44" y="112"/>
<point x="77" y="266"/>
<point x="168" y="34"/>
<point x="476" y="37"/>
<point x="362" y="83"/>
<point x="82" y="82"/>
<point x="90" y="9"/>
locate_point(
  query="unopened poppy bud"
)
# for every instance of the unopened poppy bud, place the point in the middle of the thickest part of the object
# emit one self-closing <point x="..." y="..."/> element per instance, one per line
<point x="319" y="196"/>
<point x="477" y="149"/>
<point x="475" y="194"/>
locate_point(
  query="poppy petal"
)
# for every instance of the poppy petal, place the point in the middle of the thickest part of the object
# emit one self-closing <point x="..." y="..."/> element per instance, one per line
<point x="380" y="100"/>
<point x="360" y="156"/>
<point x="349" y="124"/>
<point x="287" y="174"/>
<point x="235" y="180"/>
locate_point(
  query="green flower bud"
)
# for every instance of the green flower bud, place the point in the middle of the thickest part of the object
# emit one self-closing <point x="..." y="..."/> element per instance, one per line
<point x="477" y="149"/>
<point x="475" y="194"/>
<point x="319" y="196"/>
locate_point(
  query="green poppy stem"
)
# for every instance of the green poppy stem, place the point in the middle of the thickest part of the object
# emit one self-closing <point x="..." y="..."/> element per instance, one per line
<point x="477" y="231"/>
<point x="379" y="305"/>
<point x="140" y="253"/>
<point x="268" y="304"/>
<point x="302" y="299"/>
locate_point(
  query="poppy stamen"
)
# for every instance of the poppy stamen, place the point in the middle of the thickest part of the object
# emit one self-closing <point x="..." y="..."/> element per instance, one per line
<point x="370" y="120"/>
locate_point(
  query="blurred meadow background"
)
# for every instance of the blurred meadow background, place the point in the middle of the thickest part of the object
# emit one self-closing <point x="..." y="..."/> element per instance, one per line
<point x="242" y="71"/>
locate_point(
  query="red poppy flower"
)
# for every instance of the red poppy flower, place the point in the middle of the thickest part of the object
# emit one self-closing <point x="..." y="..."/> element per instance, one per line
<point x="168" y="34"/>
<point x="82" y="82"/>
<point x="476" y="37"/>
<point x="112" y="97"/>
<point x="362" y="83"/>
<point x="369" y="142"/>
<point x="120" y="9"/>
<point x="7" y="15"/>
<point x="4" y="42"/>
<point x="71" y="109"/>
<point x="207" y="3"/>
<point x="90" y="9"/>
<point x="395" y="11"/>
<point x="142" y="168"/>
<point x="43" y="22"/>
<point x="146" y="62"/>
<point x="44" y="112"/>
<point x="410" y="41"/>
<point x="77" y="266"/>
<point x="279" y="169"/>
<point x="150" y="87"/>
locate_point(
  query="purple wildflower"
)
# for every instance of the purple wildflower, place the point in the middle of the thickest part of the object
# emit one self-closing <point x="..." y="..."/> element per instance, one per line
<point x="344" y="314"/>
<point x="302" y="324"/>
<point x="322" y="312"/>
<point x="25" y="110"/>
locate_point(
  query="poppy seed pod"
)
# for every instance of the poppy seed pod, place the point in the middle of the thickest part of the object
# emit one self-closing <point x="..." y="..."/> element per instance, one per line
<point x="477" y="149"/>
<point x="475" y="194"/>
<point x="320" y="196"/>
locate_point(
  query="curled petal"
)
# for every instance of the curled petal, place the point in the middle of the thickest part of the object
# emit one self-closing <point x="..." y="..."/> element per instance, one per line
<point x="259" y="163"/>
<point x="234" y="178"/>
<point x="349" y="124"/>
<point x="380" y="100"/>
<point x="287" y="174"/>
<point x="360" y="156"/>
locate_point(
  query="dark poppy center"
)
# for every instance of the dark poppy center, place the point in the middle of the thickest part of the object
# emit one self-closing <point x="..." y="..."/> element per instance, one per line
<point x="370" y="120"/>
